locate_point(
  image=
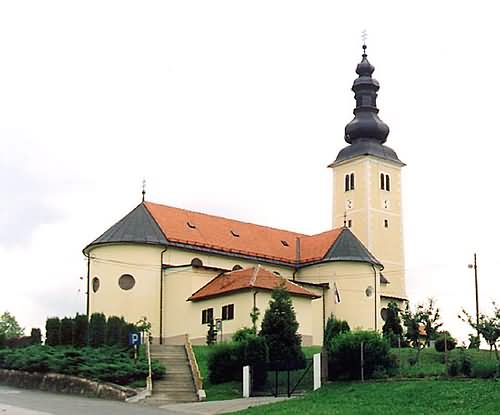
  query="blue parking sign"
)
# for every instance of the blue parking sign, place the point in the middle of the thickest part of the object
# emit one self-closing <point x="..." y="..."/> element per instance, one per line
<point x="134" y="339"/>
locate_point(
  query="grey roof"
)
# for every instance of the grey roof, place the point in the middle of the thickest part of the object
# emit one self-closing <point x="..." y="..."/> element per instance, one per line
<point x="137" y="226"/>
<point x="367" y="148"/>
<point x="349" y="248"/>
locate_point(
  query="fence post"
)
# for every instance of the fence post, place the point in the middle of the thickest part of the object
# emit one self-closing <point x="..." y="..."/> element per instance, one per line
<point x="362" y="362"/>
<point x="317" y="371"/>
<point x="246" y="381"/>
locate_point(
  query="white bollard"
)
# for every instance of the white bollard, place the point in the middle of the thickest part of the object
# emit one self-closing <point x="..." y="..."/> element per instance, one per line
<point x="246" y="381"/>
<point x="317" y="371"/>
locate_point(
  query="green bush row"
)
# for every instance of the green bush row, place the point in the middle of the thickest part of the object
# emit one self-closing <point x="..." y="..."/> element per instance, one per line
<point x="78" y="331"/>
<point x="107" y="364"/>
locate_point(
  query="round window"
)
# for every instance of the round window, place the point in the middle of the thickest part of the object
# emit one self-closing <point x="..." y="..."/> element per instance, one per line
<point x="95" y="284"/>
<point x="126" y="282"/>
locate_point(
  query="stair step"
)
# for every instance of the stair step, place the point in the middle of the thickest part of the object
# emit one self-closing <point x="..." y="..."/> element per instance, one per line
<point x="178" y="385"/>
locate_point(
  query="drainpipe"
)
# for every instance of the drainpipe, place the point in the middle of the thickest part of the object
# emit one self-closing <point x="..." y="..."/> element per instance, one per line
<point x="88" y="285"/>
<point x="161" y="295"/>
<point x="375" y="294"/>
<point x="253" y="310"/>
<point x="297" y="257"/>
<point x="324" y="311"/>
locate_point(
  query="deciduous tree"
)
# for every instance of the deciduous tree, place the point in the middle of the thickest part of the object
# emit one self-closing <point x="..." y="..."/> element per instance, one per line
<point x="9" y="326"/>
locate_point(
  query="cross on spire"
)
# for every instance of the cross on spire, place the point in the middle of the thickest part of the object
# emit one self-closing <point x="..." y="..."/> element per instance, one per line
<point x="364" y="36"/>
<point x="143" y="189"/>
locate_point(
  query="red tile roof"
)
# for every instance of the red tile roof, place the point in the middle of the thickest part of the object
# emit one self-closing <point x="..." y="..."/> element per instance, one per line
<point x="255" y="277"/>
<point x="232" y="236"/>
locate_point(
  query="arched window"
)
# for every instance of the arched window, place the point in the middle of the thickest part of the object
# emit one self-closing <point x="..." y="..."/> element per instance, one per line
<point x="196" y="262"/>
<point x="349" y="182"/>
<point x="385" y="182"/>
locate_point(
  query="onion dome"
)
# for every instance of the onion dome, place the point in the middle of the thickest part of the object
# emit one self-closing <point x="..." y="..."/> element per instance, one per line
<point x="366" y="133"/>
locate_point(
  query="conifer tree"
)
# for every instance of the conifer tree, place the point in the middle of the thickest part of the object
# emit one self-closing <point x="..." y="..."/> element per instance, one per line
<point x="81" y="336"/>
<point x="97" y="330"/>
<point x="53" y="331"/>
<point x="392" y="329"/>
<point x="36" y="336"/>
<point x="279" y="329"/>
<point x="67" y="331"/>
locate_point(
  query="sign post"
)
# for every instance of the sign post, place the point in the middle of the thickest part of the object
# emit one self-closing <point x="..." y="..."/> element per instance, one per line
<point x="134" y="339"/>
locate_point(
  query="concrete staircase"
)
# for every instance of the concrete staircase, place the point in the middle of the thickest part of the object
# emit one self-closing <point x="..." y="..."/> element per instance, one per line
<point x="177" y="386"/>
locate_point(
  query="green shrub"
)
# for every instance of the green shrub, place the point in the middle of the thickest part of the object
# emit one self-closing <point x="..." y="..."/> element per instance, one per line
<point x="461" y="364"/>
<point x="344" y="355"/>
<point x="243" y="334"/>
<point x="2" y="340"/>
<point x="53" y="331"/>
<point x="485" y="369"/>
<point x="333" y="328"/>
<point x="108" y="364"/>
<point x="15" y="342"/>
<point x="67" y="331"/>
<point x="451" y="343"/>
<point x="36" y="337"/>
<point x="225" y="362"/>
<point x="257" y="356"/>
<point x="97" y="330"/>
<point x="81" y="331"/>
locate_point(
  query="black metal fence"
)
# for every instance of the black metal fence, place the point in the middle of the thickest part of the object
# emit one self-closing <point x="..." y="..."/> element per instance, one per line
<point x="284" y="382"/>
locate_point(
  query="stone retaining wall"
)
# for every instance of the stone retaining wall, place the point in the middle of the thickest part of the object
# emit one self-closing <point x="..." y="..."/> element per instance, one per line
<point x="54" y="382"/>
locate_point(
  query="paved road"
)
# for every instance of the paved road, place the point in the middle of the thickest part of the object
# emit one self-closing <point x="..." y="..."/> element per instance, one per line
<point x="29" y="402"/>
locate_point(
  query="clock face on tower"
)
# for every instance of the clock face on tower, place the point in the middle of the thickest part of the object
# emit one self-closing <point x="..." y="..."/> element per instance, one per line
<point x="387" y="204"/>
<point x="348" y="204"/>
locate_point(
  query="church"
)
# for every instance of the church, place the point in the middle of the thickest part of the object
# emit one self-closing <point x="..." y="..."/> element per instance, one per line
<point x="182" y="269"/>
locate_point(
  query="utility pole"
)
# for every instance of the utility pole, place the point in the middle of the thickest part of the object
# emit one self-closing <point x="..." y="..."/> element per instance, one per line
<point x="477" y="296"/>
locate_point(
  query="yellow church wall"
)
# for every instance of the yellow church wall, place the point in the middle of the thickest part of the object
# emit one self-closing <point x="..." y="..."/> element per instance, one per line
<point x="179" y="316"/>
<point x="108" y="263"/>
<point x="370" y="208"/>
<point x="176" y="256"/>
<point x="351" y="279"/>
<point x="243" y="305"/>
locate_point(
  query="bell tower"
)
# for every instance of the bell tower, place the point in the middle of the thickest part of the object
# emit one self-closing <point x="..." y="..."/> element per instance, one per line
<point x="367" y="185"/>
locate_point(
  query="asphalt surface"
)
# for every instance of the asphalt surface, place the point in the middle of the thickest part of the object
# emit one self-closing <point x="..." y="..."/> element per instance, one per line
<point x="30" y="402"/>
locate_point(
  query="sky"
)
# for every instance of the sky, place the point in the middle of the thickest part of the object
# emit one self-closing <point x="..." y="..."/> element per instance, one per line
<point x="235" y="108"/>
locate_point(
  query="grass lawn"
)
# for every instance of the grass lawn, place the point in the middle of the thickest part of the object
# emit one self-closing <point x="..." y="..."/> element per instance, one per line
<point x="455" y="397"/>
<point x="431" y="362"/>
